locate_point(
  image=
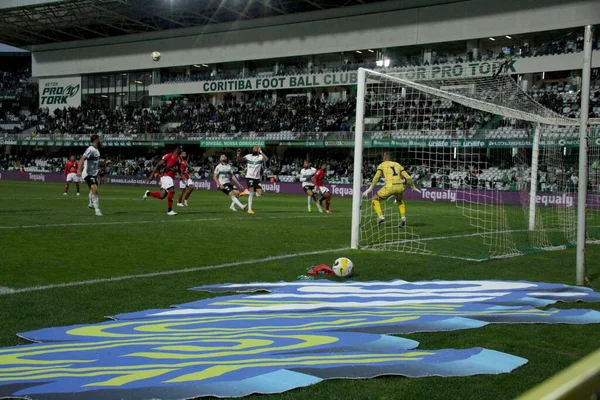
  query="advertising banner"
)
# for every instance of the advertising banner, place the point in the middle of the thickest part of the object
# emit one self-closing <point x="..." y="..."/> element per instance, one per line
<point x="443" y="195"/>
<point x="342" y="78"/>
<point x="60" y="92"/>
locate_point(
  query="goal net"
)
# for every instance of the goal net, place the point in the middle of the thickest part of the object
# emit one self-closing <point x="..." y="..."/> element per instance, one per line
<point x="468" y="145"/>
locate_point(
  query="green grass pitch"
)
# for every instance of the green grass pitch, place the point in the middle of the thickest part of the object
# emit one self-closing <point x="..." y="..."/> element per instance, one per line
<point x="48" y="239"/>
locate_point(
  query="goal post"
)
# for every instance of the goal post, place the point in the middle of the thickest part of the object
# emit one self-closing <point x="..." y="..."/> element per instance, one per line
<point x="583" y="156"/>
<point x="358" y="159"/>
<point x="479" y="143"/>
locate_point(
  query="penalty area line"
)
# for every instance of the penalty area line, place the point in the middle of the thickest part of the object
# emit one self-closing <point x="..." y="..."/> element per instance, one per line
<point x="6" y="290"/>
<point x="165" y="273"/>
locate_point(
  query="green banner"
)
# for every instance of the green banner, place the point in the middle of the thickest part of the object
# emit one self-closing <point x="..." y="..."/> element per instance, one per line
<point x="8" y="97"/>
<point x="232" y="143"/>
<point x="341" y="143"/>
<point x="473" y="143"/>
<point x="302" y="143"/>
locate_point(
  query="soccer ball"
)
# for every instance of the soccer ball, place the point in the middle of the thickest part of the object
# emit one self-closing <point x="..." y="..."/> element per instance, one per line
<point x="155" y="55"/>
<point x="342" y="267"/>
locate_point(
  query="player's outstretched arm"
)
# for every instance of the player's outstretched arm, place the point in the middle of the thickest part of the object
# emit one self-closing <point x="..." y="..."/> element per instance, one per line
<point x="155" y="170"/>
<point x="237" y="182"/>
<point x="410" y="181"/>
<point x="373" y="183"/>
<point x="215" y="178"/>
<point x="264" y="156"/>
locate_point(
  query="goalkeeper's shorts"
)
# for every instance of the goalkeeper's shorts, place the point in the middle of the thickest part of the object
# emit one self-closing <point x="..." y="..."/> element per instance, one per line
<point x="391" y="190"/>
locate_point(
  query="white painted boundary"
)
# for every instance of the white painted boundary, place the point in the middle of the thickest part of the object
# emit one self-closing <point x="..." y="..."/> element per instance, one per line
<point x="156" y="221"/>
<point x="6" y="290"/>
<point x="164" y="273"/>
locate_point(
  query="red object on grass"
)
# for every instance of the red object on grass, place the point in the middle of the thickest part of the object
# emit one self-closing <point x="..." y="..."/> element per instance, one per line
<point x="320" y="269"/>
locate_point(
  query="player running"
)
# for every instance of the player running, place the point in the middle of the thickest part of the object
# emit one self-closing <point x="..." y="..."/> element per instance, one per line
<point x="393" y="174"/>
<point x="321" y="189"/>
<point x="89" y="163"/>
<point x="71" y="174"/>
<point x="255" y="162"/>
<point x="171" y="162"/>
<point x="222" y="176"/>
<point x="306" y="178"/>
<point x="185" y="184"/>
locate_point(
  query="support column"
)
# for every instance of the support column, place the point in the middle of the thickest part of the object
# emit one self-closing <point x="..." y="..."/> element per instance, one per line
<point x="426" y="57"/>
<point x="526" y="82"/>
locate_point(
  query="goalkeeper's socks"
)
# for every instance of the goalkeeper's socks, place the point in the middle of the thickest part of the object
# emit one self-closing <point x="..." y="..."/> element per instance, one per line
<point x="377" y="207"/>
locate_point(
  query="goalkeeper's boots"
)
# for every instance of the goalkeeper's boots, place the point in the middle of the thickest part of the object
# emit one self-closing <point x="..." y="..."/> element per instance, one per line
<point x="402" y="223"/>
<point x="381" y="220"/>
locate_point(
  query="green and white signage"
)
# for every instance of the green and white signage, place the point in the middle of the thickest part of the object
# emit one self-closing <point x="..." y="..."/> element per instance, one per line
<point x="232" y="143"/>
<point x="349" y="78"/>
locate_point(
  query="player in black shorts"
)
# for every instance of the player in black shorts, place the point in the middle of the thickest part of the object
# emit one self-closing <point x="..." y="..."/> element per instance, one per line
<point x="223" y="176"/>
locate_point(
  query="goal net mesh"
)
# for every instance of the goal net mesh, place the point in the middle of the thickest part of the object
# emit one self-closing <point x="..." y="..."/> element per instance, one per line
<point x="466" y="143"/>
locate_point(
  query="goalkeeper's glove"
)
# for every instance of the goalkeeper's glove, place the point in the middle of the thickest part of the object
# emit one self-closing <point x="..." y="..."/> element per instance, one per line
<point x="366" y="192"/>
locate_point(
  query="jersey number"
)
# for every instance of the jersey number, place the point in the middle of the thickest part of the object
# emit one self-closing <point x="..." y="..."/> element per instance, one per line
<point x="394" y="171"/>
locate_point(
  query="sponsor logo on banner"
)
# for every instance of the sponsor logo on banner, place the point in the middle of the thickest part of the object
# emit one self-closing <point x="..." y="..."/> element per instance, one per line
<point x="435" y="195"/>
<point x="271" y="187"/>
<point x="202" y="185"/>
<point x="60" y="92"/>
<point x="559" y="200"/>
<point x="37" y="177"/>
<point x="341" y="191"/>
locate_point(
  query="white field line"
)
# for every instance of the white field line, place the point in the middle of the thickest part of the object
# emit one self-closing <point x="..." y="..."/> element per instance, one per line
<point x="6" y="290"/>
<point x="175" y="219"/>
<point x="173" y="272"/>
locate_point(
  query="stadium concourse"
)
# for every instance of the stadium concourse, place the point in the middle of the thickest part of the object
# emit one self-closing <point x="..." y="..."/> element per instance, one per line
<point x="430" y="148"/>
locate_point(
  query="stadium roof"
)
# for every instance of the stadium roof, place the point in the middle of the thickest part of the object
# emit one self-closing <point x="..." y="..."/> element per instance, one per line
<point x="33" y="22"/>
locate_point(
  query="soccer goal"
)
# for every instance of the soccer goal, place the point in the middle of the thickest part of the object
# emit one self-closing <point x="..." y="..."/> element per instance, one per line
<point x="497" y="169"/>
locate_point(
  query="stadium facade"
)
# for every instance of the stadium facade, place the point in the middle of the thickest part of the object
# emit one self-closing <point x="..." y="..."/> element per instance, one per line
<point x="118" y="70"/>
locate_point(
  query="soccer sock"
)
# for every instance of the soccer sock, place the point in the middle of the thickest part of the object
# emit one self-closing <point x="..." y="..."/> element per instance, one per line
<point x="377" y="208"/>
<point x="77" y="186"/>
<point x="170" y="200"/>
<point x="95" y="202"/>
<point x="250" y="198"/>
<point x="181" y="197"/>
<point x="327" y="201"/>
<point x="66" y="188"/>
<point x="156" y="195"/>
<point x="309" y="198"/>
<point x="90" y="197"/>
<point x="402" y="208"/>
<point x="235" y="201"/>
<point x="187" y="196"/>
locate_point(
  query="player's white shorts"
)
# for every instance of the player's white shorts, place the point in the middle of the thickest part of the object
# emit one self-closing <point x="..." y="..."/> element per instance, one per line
<point x="322" y="189"/>
<point x="72" y="177"/>
<point x="184" y="183"/>
<point x="166" y="182"/>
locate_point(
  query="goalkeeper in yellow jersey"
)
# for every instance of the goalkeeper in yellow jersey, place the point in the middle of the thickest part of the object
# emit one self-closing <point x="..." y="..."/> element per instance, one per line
<point x="394" y="175"/>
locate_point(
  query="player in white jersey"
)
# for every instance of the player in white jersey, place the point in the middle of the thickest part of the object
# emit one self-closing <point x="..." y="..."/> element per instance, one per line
<point x="223" y="176"/>
<point x="254" y="162"/>
<point x="89" y="163"/>
<point x="306" y="178"/>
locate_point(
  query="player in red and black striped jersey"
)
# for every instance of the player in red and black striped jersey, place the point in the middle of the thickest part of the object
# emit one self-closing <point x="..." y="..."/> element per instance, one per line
<point x="185" y="183"/>
<point x="172" y="168"/>
<point x="71" y="174"/>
